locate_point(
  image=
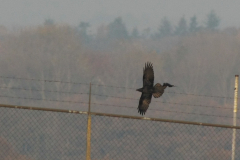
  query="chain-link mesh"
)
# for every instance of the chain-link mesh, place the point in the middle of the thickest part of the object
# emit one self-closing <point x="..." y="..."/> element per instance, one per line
<point x="41" y="135"/>
<point x="121" y="138"/>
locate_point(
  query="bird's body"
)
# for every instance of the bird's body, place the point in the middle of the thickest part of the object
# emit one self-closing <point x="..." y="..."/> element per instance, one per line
<point x="148" y="89"/>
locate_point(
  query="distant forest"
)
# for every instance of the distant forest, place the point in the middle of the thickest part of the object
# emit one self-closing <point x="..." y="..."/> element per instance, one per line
<point x="118" y="30"/>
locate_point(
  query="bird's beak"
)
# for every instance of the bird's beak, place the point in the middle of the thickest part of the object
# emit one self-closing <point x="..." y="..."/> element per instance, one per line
<point x="139" y="90"/>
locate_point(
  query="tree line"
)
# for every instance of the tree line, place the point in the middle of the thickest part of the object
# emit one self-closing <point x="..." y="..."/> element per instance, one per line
<point x="118" y="30"/>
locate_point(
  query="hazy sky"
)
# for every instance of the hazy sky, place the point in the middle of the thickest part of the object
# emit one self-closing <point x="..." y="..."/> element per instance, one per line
<point x="140" y="13"/>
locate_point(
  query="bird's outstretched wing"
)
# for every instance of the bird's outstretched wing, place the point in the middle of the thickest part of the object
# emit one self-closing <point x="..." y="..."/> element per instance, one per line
<point x="148" y="75"/>
<point x="144" y="102"/>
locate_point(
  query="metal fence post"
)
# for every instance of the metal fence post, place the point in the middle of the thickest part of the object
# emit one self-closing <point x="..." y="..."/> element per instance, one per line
<point x="234" y="116"/>
<point x="88" y="152"/>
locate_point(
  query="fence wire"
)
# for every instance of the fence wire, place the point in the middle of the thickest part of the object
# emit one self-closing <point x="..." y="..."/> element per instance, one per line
<point x="37" y="135"/>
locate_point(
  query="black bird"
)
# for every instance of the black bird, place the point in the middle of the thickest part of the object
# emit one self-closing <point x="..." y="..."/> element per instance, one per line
<point x="148" y="89"/>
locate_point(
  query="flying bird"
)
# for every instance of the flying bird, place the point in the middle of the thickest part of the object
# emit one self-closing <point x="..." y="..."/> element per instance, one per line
<point x="148" y="89"/>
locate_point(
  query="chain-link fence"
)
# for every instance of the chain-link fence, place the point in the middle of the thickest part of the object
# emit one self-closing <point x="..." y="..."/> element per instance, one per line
<point x="41" y="135"/>
<point x="50" y="135"/>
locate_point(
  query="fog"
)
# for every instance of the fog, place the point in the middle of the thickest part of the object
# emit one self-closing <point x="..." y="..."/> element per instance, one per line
<point x="51" y="50"/>
<point x="193" y="46"/>
<point x="142" y="14"/>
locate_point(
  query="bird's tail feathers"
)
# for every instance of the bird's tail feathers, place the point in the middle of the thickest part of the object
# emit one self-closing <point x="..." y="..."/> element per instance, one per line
<point x="156" y="88"/>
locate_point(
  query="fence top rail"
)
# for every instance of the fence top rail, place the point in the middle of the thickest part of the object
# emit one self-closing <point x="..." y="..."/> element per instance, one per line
<point x="118" y="116"/>
<point x="42" y="109"/>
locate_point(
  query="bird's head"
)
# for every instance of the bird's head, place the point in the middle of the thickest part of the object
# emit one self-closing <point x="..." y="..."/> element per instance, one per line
<point x="168" y="85"/>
